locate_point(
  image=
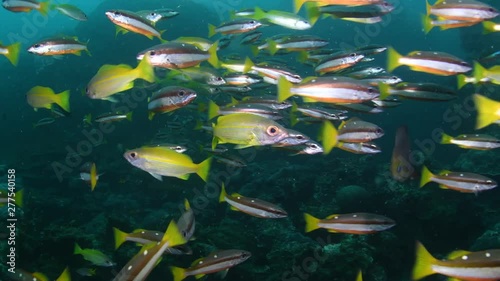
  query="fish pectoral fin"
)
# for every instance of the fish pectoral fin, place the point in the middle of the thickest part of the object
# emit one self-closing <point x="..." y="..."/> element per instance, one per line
<point x="241" y="146"/>
<point x="198" y="276"/>
<point x="184" y="177"/>
<point x="234" y="208"/>
<point x="156" y="176"/>
<point x="111" y="99"/>
<point x="443" y="186"/>
<point x="223" y="274"/>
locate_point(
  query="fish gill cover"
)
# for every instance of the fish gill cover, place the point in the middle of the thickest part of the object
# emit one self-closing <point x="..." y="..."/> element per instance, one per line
<point x="265" y="129"/>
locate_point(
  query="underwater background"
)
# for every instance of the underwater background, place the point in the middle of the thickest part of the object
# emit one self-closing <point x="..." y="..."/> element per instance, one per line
<point x="60" y="209"/>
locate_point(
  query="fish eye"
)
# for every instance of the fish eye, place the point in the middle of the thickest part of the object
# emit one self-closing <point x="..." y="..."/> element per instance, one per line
<point x="133" y="154"/>
<point x="299" y="137"/>
<point x="181" y="93"/>
<point x="36" y="46"/>
<point x="464" y="63"/>
<point x="152" y="53"/>
<point x="153" y="14"/>
<point x="491" y="10"/>
<point x="379" y="131"/>
<point x="272" y="130"/>
<point x="352" y="55"/>
<point x="314" y="146"/>
<point x="370" y="90"/>
<point x="219" y="78"/>
<point x="252" y="22"/>
<point x="117" y="13"/>
<point x="394" y="77"/>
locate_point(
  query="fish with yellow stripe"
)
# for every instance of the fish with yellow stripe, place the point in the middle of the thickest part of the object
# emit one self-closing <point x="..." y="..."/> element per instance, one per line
<point x="252" y="206"/>
<point x="44" y="97"/>
<point x="162" y="161"/>
<point x="459" y="181"/>
<point x="461" y="265"/>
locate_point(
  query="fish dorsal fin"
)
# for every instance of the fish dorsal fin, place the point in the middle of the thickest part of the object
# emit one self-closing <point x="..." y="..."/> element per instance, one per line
<point x="236" y="195"/>
<point x="308" y="79"/>
<point x="443" y="172"/>
<point x="40" y="276"/>
<point x="457" y="254"/>
<point x="332" y="216"/>
<point x="196" y="261"/>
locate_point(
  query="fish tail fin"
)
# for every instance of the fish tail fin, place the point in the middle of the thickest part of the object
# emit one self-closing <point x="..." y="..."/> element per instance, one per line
<point x="248" y="65"/>
<point x="40" y="276"/>
<point x="19" y="198"/>
<point x="145" y="70"/>
<point x="461" y="81"/>
<point x="423" y="263"/>
<point x="44" y="8"/>
<point x="173" y="235"/>
<point x="120" y="237"/>
<point x="129" y="116"/>
<point x="426" y="176"/>
<point x="284" y="89"/>
<point x="297" y="4"/>
<point x="329" y="137"/>
<point x="212" y="52"/>
<point x="65" y="275"/>
<point x="223" y="194"/>
<point x="213" y="110"/>
<point x="255" y="50"/>
<point x="313" y="12"/>
<point x="204" y="169"/>
<point x="259" y="13"/>
<point x="311" y="222"/>
<point x="211" y="30"/>
<point x="63" y="100"/>
<point x="426" y="23"/>
<point x="488" y="27"/>
<point x="178" y="273"/>
<point x="385" y="90"/>
<point x="302" y="57"/>
<point x="446" y="139"/>
<point x="93" y="176"/>
<point x="273" y="46"/>
<point x="77" y="250"/>
<point x="13" y="53"/>
<point x="479" y="71"/>
<point x="487" y="110"/>
<point x="392" y="59"/>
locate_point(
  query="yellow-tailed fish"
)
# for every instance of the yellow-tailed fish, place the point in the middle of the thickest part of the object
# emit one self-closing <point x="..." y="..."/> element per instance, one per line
<point x="464" y="10"/>
<point x="11" y="52"/>
<point x="161" y="161"/>
<point x="9" y="197"/>
<point x="129" y="21"/>
<point x="285" y="19"/>
<point x="18" y="6"/>
<point x="459" y="181"/>
<point x="460" y="265"/>
<point x="246" y="130"/>
<point x="437" y="63"/>
<point x="472" y="141"/>
<point x="490" y="75"/>
<point x="44" y="97"/>
<point x="354" y="223"/>
<point x="113" y="79"/>
<point x="59" y="46"/>
<point x="216" y="261"/>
